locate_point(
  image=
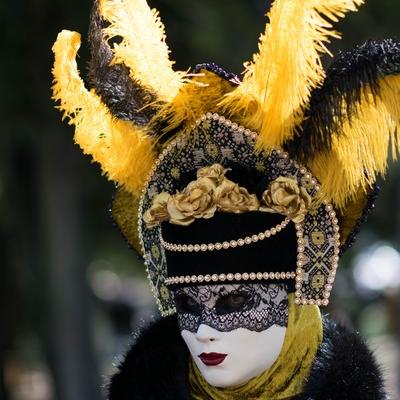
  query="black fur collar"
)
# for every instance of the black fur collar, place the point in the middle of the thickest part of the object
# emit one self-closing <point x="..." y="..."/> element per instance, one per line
<point x="156" y="367"/>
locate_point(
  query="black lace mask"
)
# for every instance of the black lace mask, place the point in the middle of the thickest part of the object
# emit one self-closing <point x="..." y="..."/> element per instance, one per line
<point x="255" y="307"/>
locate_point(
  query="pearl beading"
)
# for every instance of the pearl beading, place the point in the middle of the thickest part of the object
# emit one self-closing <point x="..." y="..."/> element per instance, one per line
<point x="225" y="245"/>
<point x="252" y="276"/>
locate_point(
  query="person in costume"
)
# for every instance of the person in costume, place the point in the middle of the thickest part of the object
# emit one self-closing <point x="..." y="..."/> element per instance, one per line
<point x="240" y="194"/>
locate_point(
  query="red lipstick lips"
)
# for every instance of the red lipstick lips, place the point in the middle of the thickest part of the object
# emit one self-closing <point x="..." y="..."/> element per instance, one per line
<point x="212" y="359"/>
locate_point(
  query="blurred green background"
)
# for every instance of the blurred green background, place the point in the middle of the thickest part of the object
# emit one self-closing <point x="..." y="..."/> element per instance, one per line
<point x="71" y="290"/>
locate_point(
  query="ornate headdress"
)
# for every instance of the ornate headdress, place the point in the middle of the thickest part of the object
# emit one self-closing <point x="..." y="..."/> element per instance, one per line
<point x="267" y="178"/>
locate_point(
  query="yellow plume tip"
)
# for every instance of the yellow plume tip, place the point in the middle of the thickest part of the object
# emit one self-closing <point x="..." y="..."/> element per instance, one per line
<point x="125" y="153"/>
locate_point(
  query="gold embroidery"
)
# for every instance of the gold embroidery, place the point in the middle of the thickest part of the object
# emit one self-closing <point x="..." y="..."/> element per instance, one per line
<point x="318" y="238"/>
<point x="318" y="281"/>
<point x="175" y="173"/>
<point x="155" y="251"/>
<point x="212" y="150"/>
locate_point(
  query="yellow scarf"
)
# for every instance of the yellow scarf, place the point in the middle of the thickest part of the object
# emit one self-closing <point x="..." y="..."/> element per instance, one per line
<point x="286" y="377"/>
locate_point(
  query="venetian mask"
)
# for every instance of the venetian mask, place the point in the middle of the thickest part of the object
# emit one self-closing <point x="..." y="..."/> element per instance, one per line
<point x="233" y="332"/>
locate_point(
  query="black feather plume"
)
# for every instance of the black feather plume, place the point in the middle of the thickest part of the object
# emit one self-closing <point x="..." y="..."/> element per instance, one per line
<point x="126" y="99"/>
<point x="346" y="78"/>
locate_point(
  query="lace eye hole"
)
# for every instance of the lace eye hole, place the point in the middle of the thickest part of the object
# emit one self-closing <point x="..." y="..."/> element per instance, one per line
<point x="233" y="302"/>
<point x="186" y="304"/>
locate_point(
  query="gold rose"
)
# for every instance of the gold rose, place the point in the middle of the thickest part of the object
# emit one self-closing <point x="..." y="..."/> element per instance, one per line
<point x="158" y="211"/>
<point x="284" y="196"/>
<point x="216" y="173"/>
<point x="196" y="201"/>
<point x="232" y="198"/>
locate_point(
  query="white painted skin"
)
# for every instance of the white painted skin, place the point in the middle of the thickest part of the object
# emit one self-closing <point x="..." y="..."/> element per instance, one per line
<point x="248" y="353"/>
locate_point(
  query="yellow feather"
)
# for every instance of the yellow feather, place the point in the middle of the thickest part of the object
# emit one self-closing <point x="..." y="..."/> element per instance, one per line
<point x="351" y="213"/>
<point x="143" y="48"/>
<point x="198" y="96"/>
<point x="124" y="152"/>
<point x="360" y="151"/>
<point x="124" y="210"/>
<point x="277" y="85"/>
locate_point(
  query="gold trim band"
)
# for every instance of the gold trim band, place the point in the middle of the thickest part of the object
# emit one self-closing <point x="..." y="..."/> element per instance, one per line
<point x="253" y="276"/>
<point x="225" y="245"/>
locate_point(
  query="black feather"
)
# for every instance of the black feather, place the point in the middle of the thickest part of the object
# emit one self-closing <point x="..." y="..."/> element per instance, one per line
<point x="346" y="78"/>
<point x="156" y="367"/>
<point x="344" y="368"/>
<point x="126" y="99"/>
<point x="217" y="70"/>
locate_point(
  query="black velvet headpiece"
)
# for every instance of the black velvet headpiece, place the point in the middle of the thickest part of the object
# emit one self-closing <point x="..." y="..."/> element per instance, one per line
<point x="275" y="254"/>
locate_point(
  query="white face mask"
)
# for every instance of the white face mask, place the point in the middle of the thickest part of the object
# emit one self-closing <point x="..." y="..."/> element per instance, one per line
<point x="233" y="332"/>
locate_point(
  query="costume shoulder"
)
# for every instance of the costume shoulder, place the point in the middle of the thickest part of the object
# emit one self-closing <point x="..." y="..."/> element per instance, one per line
<point x="155" y="367"/>
<point x="344" y="368"/>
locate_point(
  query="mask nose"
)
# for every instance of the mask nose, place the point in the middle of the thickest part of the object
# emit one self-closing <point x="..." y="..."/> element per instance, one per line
<point x="207" y="334"/>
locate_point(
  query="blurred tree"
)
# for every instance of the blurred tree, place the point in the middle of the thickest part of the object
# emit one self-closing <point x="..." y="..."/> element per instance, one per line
<point x="42" y="219"/>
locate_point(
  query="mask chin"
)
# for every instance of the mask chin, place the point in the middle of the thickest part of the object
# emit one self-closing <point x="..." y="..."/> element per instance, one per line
<point x="248" y="354"/>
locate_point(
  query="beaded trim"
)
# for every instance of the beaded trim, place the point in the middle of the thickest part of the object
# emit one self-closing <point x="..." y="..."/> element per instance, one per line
<point x="301" y="261"/>
<point x="225" y="245"/>
<point x="252" y="276"/>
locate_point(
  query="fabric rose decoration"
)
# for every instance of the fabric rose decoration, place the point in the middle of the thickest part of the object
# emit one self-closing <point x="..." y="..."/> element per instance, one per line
<point x="196" y="201"/>
<point x="216" y="173"/>
<point x="284" y="196"/>
<point x="213" y="192"/>
<point x="232" y="198"/>
<point x="158" y="211"/>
